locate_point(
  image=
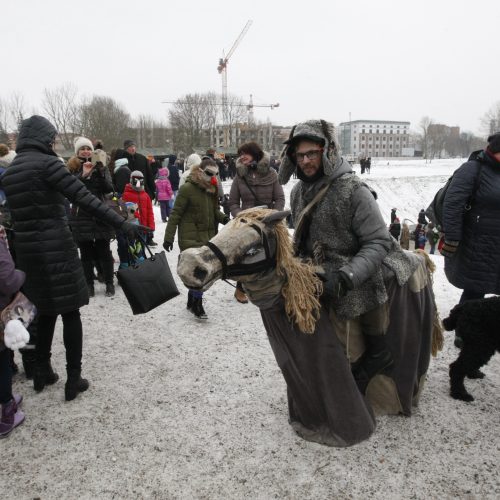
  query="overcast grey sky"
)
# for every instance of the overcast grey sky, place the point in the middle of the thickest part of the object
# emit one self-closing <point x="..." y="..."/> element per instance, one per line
<point x="383" y="59"/>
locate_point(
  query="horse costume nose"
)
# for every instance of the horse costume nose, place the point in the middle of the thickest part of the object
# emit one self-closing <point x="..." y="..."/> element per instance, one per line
<point x="193" y="270"/>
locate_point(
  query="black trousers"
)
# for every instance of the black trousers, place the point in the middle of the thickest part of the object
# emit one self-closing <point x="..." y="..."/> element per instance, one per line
<point x="100" y="251"/>
<point x="72" y="336"/>
<point x="470" y="295"/>
<point x="5" y="377"/>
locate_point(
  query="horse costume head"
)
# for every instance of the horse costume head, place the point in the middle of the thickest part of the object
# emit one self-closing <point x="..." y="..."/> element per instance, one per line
<point x="255" y="248"/>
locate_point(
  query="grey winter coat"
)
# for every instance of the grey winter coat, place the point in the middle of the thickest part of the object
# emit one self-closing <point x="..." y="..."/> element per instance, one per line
<point x="346" y="231"/>
<point x="476" y="263"/>
<point x="264" y="182"/>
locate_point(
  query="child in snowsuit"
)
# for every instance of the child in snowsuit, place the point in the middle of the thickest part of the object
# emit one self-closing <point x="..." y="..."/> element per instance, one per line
<point x="164" y="193"/>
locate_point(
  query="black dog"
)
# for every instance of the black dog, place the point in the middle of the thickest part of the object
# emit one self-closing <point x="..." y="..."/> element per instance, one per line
<point x="477" y="323"/>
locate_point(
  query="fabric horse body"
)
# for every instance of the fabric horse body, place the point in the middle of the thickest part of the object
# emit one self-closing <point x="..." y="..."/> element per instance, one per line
<point x="325" y="403"/>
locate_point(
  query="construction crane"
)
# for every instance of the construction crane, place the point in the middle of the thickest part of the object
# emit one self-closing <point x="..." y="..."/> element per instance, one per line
<point x="222" y="69"/>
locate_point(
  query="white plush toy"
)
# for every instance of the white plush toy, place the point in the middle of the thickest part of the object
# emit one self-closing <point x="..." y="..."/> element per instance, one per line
<point x="15" y="334"/>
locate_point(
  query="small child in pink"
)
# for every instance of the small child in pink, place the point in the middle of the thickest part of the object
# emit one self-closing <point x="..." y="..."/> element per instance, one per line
<point x="164" y="193"/>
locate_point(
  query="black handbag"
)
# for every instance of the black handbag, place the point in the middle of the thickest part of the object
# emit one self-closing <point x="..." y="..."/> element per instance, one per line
<point x="149" y="283"/>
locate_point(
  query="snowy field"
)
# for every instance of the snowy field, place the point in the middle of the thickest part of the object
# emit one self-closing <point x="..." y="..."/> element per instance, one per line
<point x="183" y="409"/>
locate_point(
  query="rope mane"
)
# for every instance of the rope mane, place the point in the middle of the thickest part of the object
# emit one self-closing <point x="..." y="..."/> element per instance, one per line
<point x="302" y="287"/>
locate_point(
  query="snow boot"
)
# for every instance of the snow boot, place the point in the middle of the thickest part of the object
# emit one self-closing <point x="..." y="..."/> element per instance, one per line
<point x="108" y="272"/>
<point x="75" y="384"/>
<point x="43" y="375"/>
<point x="240" y="296"/>
<point x="198" y="310"/>
<point x="11" y="418"/>
<point x="91" y="289"/>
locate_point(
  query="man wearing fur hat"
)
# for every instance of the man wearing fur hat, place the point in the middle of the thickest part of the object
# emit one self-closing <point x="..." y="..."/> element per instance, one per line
<point x="136" y="161"/>
<point x="339" y="225"/>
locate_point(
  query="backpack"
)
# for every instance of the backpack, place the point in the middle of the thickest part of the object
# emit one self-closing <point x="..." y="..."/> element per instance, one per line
<point x="434" y="211"/>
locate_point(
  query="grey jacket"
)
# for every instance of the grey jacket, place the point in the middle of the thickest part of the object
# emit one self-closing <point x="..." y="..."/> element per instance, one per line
<point x="264" y="182"/>
<point x="346" y="232"/>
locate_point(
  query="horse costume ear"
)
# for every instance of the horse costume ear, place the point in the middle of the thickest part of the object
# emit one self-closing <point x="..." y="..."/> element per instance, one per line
<point x="275" y="217"/>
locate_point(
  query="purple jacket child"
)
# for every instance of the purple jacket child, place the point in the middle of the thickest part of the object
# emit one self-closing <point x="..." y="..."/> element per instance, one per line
<point x="164" y="193"/>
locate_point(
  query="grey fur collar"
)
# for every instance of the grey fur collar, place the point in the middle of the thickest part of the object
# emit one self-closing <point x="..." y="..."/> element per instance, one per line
<point x="319" y="129"/>
<point x="262" y="167"/>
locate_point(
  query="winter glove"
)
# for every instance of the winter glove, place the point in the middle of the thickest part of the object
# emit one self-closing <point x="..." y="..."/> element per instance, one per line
<point x="168" y="246"/>
<point x="15" y="334"/>
<point x="134" y="230"/>
<point x="335" y="284"/>
<point x="449" y="248"/>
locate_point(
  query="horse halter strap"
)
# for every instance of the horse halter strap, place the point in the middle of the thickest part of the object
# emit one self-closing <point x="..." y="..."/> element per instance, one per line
<point x="232" y="270"/>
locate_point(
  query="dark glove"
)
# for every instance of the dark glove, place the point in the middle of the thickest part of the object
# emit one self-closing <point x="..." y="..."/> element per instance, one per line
<point x="134" y="230"/>
<point x="168" y="246"/>
<point x="449" y="248"/>
<point x="335" y="284"/>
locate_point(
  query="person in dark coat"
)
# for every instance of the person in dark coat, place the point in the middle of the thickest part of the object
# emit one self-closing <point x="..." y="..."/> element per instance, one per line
<point x="472" y="231"/>
<point x="136" y="161"/>
<point x="36" y="185"/>
<point x="120" y="171"/>
<point x="174" y="177"/>
<point x="393" y="214"/>
<point x="395" y="229"/>
<point x="422" y="218"/>
<point x="92" y="236"/>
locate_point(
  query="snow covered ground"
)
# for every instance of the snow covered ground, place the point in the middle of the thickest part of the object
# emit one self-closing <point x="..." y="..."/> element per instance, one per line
<point x="182" y="409"/>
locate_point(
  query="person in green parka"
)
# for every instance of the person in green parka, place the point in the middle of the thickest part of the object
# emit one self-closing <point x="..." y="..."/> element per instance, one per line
<point x="196" y="213"/>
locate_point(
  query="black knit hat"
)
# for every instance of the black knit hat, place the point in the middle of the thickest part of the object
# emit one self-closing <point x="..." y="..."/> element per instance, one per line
<point x="494" y="143"/>
<point x="128" y="143"/>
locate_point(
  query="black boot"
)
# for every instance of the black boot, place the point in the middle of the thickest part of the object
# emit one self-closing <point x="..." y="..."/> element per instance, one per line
<point x="74" y="384"/>
<point x="198" y="310"/>
<point x="43" y="375"/>
<point x="376" y="359"/>
<point x="108" y="272"/>
<point x="88" y="271"/>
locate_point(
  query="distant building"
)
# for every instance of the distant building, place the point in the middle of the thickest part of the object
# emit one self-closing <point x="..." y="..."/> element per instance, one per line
<point x="373" y="138"/>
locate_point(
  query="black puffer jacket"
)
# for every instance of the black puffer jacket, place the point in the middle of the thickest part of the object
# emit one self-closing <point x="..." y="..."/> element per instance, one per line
<point x="36" y="185"/>
<point x="86" y="227"/>
<point x="476" y="264"/>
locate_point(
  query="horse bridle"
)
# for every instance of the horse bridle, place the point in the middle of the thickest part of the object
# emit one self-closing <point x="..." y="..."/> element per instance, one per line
<point x="233" y="270"/>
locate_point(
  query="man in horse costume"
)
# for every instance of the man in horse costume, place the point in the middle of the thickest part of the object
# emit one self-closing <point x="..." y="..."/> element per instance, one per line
<point x="339" y="226"/>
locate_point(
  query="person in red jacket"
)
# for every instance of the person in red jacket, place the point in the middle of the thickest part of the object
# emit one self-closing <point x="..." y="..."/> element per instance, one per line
<point x="134" y="192"/>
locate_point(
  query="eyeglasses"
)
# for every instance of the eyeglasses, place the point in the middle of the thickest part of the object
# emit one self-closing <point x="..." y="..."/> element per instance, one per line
<point x="311" y="155"/>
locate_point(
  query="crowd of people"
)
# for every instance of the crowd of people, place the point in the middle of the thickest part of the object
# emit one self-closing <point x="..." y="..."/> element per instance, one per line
<point x="64" y="216"/>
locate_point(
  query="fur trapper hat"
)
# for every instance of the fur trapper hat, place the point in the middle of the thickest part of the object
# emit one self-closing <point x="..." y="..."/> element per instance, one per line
<point x="80" y="142"/>
<point x="319" y="131"/>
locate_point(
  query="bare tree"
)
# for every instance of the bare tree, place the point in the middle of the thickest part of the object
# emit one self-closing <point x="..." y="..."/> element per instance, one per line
<point x="424" y="135"/>
<point x="61" y="106"/>
<point x="490" y="121"/>
<point x="150" y="132"/>
<point x="17" y="110"/>
<point x="101" y="117"/>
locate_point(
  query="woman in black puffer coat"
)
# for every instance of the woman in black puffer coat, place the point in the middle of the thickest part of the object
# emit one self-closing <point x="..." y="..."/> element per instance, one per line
<point x="472" y="236"/>
<point x="92" y="236"/>
<point x="36" y="185"/>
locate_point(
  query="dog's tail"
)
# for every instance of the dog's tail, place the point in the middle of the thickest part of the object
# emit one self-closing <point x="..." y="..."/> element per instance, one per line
<point x="450" y="323"/>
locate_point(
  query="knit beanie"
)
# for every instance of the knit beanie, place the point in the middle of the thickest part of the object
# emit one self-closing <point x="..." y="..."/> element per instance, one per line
<point x="82" y="141"/>
<point x="192" y="160"/>
<point x="128" y="143"/>
<point x="494" y="143"/>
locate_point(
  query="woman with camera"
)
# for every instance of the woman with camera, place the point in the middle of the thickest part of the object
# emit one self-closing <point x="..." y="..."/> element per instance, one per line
<point x="92" y="236"/>
<point x="256" y="184"/>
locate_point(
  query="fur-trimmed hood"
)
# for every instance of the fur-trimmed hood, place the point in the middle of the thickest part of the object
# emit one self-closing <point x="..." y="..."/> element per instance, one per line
<point x="311" y="129"/>
<point x="74" y="164"/>
<point x="263" y="166"/>
<point x="196" y="177"/>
